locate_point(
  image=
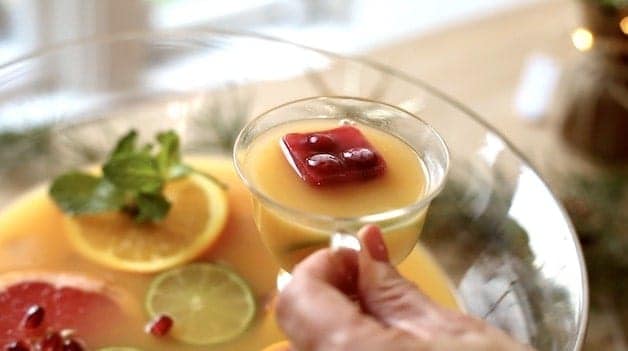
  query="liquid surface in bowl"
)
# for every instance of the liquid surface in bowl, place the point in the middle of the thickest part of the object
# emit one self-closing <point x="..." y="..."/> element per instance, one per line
<point x="33" y="240"/>
<point x="290" y="238"/>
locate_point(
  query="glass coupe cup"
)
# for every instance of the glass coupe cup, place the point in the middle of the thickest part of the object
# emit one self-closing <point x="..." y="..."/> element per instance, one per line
<point x="292" y="234"/>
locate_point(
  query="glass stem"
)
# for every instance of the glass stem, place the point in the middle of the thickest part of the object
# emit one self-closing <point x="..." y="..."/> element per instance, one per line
<point x="344" y="241"/>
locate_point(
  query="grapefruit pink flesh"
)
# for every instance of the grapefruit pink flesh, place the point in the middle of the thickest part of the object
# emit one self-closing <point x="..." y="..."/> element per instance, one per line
<point x="69" y="302"/>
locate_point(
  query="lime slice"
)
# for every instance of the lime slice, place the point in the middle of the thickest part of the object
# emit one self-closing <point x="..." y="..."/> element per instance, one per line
<point x="208" y="303"/>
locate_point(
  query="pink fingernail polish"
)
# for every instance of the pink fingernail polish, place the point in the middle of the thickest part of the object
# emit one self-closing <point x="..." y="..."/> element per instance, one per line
<point x="375" y="244"/>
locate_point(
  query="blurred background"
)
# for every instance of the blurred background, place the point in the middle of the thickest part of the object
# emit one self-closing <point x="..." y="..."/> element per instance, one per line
<point x="550" y="75"/>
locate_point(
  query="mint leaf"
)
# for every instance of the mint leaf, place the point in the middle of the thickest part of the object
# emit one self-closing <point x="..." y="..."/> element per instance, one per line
<point x="78" y="193"/>
<point x="151" y="207"/>
<point x="134" y="172"/>
<point x="125" y="145"/>
<point x="169" y="155"/>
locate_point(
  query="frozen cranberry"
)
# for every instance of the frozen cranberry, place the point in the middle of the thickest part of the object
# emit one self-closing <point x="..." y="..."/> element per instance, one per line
<point x="20" y="345"/>
<point x="360" y="156"/>
<point x="33" y="317"/>
<point x="72" y="345"/>
<point x="321" y="142"/>
<point x="52" y="342"/>
<point x="160" y="326"/>
<point x="333" y="156"/>
<point x="324" y="163"/>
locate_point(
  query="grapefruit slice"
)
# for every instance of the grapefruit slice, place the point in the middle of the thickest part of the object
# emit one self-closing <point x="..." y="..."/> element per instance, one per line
<point x="70" y="301"/>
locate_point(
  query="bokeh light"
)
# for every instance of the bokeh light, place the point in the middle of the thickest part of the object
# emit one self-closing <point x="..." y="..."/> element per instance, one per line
<point x="623" y="24"/>
<point x="582" y="39"/>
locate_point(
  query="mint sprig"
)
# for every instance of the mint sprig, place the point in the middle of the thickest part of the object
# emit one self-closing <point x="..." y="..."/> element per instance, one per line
<point x="77" y="192"/>
<point x="132" y="180"/>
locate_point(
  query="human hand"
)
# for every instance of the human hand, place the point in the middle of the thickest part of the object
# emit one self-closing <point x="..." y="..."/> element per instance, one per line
<point x="343" y="300"/>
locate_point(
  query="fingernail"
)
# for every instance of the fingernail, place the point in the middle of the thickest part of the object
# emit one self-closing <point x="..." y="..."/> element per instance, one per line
<point x="374" y="243"/>
<point x="346" y="262"/>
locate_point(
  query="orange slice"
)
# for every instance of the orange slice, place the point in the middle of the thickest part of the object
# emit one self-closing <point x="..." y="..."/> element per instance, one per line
<point x="195" y="220"/>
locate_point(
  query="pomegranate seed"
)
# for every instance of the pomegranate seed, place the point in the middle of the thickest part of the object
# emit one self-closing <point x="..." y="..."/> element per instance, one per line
<point x="72" y="345"/>
<point x="52" y="342"/>
<point x="321" y="142"/>
<point x="360" y="156"/>
<point x="160" y="326"/>
<point x="33" y="317"/>
<point x="325" y="163"/>
<point x="20" y="345"/>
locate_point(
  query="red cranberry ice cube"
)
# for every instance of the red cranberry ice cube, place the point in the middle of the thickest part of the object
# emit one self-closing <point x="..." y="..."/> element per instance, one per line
<point x="333" y="156"/>
<point x="360" y="157"/>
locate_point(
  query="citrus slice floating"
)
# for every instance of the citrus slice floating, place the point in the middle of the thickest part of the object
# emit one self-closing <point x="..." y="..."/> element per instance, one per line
<point x="195" y="220"/>
<point x="279" y="346"/>
<point x="209" y="303"/>
<point x="69" y="301"/>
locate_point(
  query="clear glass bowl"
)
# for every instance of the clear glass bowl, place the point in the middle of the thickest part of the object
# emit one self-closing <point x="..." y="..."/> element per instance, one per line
<point x="497" y="229"/>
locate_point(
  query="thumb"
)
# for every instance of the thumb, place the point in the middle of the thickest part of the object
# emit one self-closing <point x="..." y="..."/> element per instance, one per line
<point x="385" y="294"/>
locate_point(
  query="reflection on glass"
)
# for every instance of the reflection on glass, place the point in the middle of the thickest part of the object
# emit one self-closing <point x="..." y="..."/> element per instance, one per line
<point x="532" y="197"/>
